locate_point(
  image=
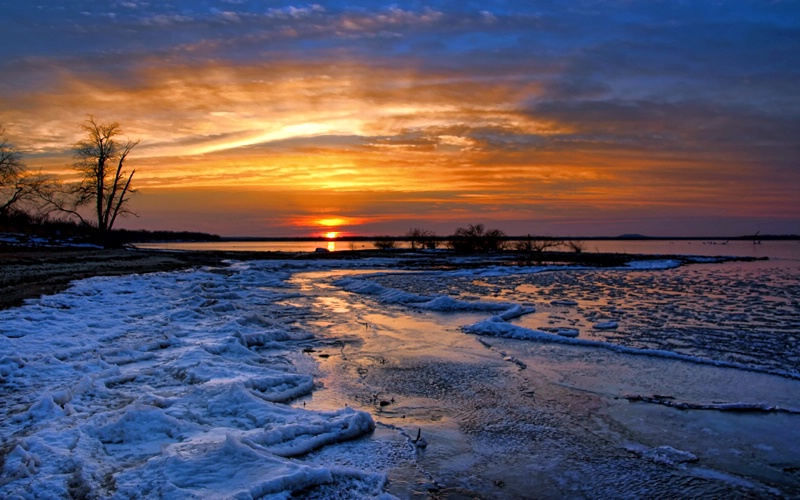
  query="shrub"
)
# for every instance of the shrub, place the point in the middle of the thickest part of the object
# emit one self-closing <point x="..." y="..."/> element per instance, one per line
<point x="476" y="239"/>
<point x="536" y="244"/>
<point x="421" y="238"/>
<point x="385" y="243"/>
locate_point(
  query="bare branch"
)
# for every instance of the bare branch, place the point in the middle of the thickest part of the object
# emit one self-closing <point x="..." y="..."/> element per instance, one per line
<point x="106" y="187"/>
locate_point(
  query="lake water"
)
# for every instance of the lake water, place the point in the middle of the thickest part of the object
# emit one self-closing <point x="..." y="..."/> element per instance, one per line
<point x="774" y="249"/>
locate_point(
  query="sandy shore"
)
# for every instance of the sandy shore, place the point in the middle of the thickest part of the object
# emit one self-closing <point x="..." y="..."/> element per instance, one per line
<point x="27" y="273"/>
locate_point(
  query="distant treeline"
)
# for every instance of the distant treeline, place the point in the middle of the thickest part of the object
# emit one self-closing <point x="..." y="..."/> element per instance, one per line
<point x="28" y="226"/>
<point x="470" y="238"/>
<point x="143" y="236"/>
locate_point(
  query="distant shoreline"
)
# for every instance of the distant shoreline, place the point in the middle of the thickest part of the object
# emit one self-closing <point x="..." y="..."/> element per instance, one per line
<point x="31" y="272"/>
<point x="634" y="237"/>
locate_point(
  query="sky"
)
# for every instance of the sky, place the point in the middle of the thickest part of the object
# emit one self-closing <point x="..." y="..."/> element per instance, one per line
<point x="274" y="118"/>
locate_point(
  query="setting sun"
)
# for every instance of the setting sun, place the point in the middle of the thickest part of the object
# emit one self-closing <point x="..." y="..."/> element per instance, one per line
<point x="331" y="235"/>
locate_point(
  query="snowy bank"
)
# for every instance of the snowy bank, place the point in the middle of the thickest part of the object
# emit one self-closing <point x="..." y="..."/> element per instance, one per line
<point x="166" y="385"/>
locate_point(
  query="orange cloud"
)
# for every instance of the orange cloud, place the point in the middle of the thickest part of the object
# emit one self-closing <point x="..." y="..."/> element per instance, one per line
<point x="468" y="146"/>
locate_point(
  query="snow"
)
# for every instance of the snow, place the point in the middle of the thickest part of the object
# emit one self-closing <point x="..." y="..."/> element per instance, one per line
<point x="187" y="384"/>
<point x="653" y="264"/>
<point x="169" y="385"/>
<point x="24" y="240"/>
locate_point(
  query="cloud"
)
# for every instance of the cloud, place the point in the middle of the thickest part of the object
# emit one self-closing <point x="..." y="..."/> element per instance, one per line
<point x="514" y="108"/>
<point x="292" y="12"/>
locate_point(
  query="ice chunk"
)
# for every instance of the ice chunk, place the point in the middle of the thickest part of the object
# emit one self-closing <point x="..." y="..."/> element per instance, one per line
<point x="45" y="408"/>
<point x="227" y="469"/>
<point x="383" y="294"/>
<point x="665" y="455"/>
<point x="606" y="325"/>
<point x="567" y="332"/>
<point x="265" y="338"/>
<point x="515" y="311"/>
<point x="318" y="430"/>
<point x="19" y="463"/>
<point x="441" y="303"/>
<point x="653" y="264"/>
<point x="445" y="303"/>
<point x="140" y="423"/>
<point x="564" y="302"/>
<point x="281" y="387"/>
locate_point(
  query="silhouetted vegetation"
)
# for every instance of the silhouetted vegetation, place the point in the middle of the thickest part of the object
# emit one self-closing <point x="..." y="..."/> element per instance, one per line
<point x="421" y="238"/>
<point x="536" y="244"/>
<point x="104" y="185"/>
<point x="477" y="239"/>
<point x="30" y="228"/>
<point x="143" y="236"/>
<point x="20" y="189"/>
<point x="576" y="246"/>
<point x="28" y="201"/>
<point x="385" y="242"/>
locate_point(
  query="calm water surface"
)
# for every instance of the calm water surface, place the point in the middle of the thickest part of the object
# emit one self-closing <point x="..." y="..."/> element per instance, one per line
<point x="771" y="249"/>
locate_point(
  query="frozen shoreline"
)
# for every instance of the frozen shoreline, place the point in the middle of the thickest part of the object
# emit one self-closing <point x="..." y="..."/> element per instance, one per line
<point x="530" y="408"/>
<point x="214" y="368"/>
<point x="29" y="272"/>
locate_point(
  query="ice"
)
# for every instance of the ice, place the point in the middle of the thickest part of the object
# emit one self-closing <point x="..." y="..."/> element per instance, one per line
<point x="382" y="294"/>
<point x="440" y="303"/>
<point x="19" y="464"/>
<point x="654" y="264"/>
<point x="666" y="455"/>
<point x="568" y="332"/>
<point x="497" y="327"/>
<point x="606" y="325"/>
<point x="314" y="431"/>
<point x="194" y="384"/>
<point x="167" y="385"/>
<point x="226" y="469"/>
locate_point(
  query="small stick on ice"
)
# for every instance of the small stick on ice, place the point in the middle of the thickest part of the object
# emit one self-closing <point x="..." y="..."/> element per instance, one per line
<point x="420" y="441"/>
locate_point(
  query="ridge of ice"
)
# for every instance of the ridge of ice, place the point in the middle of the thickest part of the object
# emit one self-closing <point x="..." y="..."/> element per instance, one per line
<point x="440" y="303"/>
<point x="497" y="327"/>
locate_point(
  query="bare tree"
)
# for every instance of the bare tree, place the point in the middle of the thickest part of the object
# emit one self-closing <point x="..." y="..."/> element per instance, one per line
<point x="536" y="244"/>
<point x="100" y="159"/>
<point x="13" y="188"/>
<point x="21" y="191"/>
<point x="421" y="238"/>
<point x="576" y="246"/>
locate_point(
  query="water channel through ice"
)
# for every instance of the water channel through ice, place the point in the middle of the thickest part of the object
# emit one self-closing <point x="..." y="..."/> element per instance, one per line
<point x="377" y="378"/>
